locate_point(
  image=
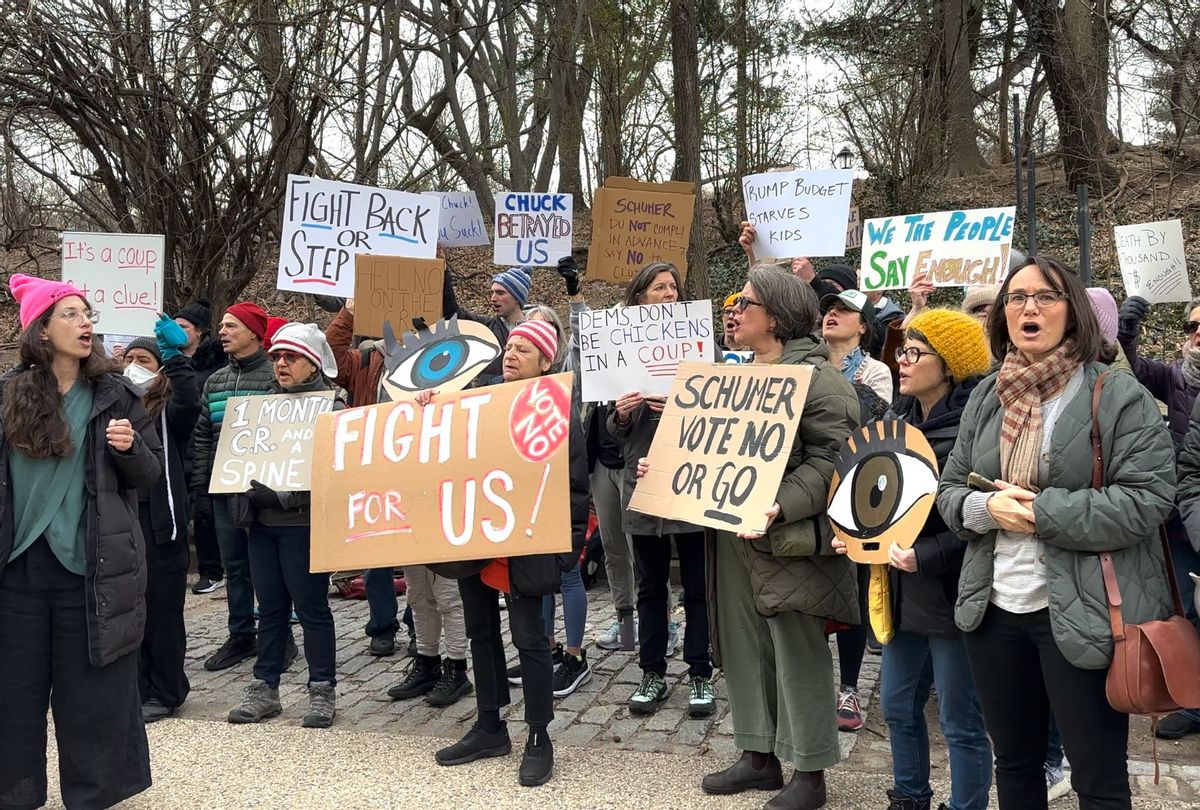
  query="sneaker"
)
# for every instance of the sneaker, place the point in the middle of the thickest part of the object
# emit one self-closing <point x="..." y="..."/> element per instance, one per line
<point x="573" y="671"/>
<point x="154" y="710"/>
<point x="322" y="705"/>
<point x="514" y="672"/>
<point x="1176" y="726"/>
<point x="537" y="766"/>
<point x="206" y="585"/>
<point x="477" y="744"/>
<point x="651" y="692"/>
<point x="898" y="802"/>
<point x="234" y="651"/>
<point x="874" y="647"/>
<point x="672" y="638"/>
<point x="261" y="701"/>
<point x="849" y="710"/>
<point x="451" y="686"/>
<point x="1057" y="784"/>
<point x="610" y="639"/>
<point x="384" y="645"/>
<point x="702" y="697"/>
<point x="421" y="677"/>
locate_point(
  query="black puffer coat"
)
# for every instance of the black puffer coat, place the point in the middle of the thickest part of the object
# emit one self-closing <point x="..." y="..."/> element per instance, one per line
<point x="166" y="501"/>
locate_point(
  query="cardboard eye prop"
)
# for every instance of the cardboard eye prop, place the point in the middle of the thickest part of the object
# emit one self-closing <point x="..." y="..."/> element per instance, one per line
<point x="446" y="358"/>
<point x="884" y="485"/>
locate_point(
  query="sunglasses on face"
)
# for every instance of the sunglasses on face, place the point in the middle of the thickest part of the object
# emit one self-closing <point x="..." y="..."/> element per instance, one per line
<point x="744" y="302"/>
<point x="1190" y="327"/>
<point x="287" y="357"/>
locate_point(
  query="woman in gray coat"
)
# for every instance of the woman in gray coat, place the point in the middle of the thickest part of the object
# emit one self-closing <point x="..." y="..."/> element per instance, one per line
<point x="1031" y="596"/>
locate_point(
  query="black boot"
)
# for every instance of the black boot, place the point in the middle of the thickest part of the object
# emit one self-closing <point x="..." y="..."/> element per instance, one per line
<point x="452" y="685"/>
<point x="806" y="791"/>
<point x="742" y="775"/>
<point x="537" y="766"/>
<point x="423" y="675"/>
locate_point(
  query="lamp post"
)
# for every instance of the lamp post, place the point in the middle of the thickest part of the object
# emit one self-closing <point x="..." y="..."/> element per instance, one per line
<point x="844" y="158"/>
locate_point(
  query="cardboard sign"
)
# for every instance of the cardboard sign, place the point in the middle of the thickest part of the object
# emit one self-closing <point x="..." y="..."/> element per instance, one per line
<point x="121" y="274"/>
<point x="723" y="443"/>
<point x="884" y="485"/>
<point x="955" y="248"/>
<point x="627" y="349"/>
<point x="533" y="230"/>
<point x="444" y="358"/>
<point x="327" y="223"/>
<point x="395" y="288"/>
<point x="854" y="229"/>
<point x="461" y="223"/>
<point x="798" y="213"/>
<point x="475" y="475"/>
<point x="636" y="223"/>
<point x="268" y="439"/>
<point x="1153" y="263"/>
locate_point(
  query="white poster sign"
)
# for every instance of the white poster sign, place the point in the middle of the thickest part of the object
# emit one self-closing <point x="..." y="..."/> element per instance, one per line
<point x="122" y="276"/>
<point x="533" y="230"/>
<point x="461" y="223"/>
<point x="798" y="213"/>
<point x="1153" y="263"/>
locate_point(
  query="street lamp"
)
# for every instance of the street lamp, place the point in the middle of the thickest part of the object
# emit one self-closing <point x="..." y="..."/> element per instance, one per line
<point x="844" y="158"/>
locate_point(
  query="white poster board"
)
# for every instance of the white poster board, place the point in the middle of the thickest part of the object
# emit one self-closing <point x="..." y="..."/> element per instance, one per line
<point x="461" y="223"/>
<point x="1153" y="263"/>
<point x="800" y="213"/>
<point x="327" y="223"/>
<point x="121" y="274"/>
<point x="964" y="248"/>
<point x="532" y="229"/>
<point x="640" y="348"/>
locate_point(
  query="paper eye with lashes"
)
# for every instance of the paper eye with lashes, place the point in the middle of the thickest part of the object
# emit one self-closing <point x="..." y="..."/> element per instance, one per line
<point x="446" y="357"/>
<point x="884" y="486"/>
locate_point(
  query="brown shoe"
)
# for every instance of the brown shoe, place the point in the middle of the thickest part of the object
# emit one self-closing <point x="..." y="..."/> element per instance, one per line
<point x="806" y="791"/>
<point x="741" y="776"/>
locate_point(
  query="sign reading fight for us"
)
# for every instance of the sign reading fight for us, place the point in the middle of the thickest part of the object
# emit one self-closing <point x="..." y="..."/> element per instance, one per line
<point x="955" y="248"/>
<point x="532" y="229"/>
<point x="327" y="223"/>
<point x="121" y="274"/>
<point x="798" y="213"/>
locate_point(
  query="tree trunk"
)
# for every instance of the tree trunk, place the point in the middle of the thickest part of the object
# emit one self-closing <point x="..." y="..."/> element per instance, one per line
<point x="949" y="144"/>
<point x="685" y="83"/>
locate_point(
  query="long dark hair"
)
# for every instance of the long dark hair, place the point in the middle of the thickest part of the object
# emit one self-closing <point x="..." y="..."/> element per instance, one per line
<point x="33" y="408"/>
<point x="157" y="395"/>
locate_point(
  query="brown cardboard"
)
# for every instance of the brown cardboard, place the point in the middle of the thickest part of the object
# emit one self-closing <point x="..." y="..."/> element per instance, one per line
<point x="702" y="468"/>
<point x="854" y="229"/>
<point x="635" y="223"/>
<point x="268" y="439"/>
<point x="391" y="481"/>
<point x="396" y="289"/>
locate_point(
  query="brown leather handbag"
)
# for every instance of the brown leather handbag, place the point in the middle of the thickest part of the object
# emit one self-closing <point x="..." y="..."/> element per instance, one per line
<point x="1155" y="666"/>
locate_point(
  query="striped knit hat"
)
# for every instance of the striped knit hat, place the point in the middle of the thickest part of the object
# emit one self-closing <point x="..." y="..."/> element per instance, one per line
<point x="308" y="341"/>
<point x="517" y="281"/>
<point x="540" y="334"/>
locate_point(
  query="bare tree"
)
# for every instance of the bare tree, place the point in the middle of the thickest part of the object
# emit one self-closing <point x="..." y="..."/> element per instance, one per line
<point x="686" y="83"/>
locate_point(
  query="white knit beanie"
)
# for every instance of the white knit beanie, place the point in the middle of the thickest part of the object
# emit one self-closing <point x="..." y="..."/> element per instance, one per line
<point x="307" y="340"/>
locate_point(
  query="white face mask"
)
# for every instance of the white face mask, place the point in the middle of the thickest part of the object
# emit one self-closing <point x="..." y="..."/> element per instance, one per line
<point x="139" y="375"/>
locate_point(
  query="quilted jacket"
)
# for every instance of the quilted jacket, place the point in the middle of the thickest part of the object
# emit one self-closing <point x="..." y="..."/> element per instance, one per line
<point x="1075" y="521"/>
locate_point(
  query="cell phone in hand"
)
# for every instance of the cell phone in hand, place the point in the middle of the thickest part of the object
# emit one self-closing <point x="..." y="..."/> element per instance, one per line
<point x="980" y="484"/>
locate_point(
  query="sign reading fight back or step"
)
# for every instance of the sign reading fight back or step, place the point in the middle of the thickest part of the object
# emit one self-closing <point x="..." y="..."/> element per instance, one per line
<point x="636" y="223"/>
<point x="474" y="475"/>
<point x="799" y="213"/>
<point x="121" y="274"/>
<point x="268" y="439"/>
<point x="723" y="444"/>
<point x="532" y="229"/>
<point x="1153" y="263"/>
<point x="955" y="248"/>
<point x="396" y="289"/>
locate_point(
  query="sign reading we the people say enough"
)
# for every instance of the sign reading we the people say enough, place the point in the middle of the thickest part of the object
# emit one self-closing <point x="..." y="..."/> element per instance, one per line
<point x="268" y="439"/>
<point x="121" y="274"/>
<point x="327" y="223"/>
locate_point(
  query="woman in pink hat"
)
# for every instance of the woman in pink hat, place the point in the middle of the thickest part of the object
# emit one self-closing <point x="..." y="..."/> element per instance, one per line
<point x="75" y="446"/>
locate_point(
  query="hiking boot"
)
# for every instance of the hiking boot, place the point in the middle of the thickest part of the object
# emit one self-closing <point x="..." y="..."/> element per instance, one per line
<point x="898" y="802"/>
<point x="383" y="645"/>
<point x="423" y="674"/>
<point x="849" y="710"/>
<point x="234" y="651"/>
<point x="206" y="585"/>
<point x="452" y="684"/>
<point x="537" y="766"/>
<point x="477" y="744"/>
<point x="806" y="791"/>
<point x="702" y="697"/>
<point x="154" y="710"/>
<point x="261" y="701"/>
<point x="651" y="692"/>
<point x="1176" y="726"/>
<point x="741" y="776"/>
<point x="573" y="671"/>
<point x="322" y="705"/>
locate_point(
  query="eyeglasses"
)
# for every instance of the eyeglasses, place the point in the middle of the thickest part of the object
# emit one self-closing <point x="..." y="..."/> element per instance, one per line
<point x="76" y="317"/>
<point x="744" y="302"/>
<point x="1043" y="298"/>
<point x="912" y="355"/>
<point x="286" y="357"/>
<point x="1190" y="327"/>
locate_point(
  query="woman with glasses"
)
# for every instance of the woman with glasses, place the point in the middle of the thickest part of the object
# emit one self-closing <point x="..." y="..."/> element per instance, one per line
<point x="76" y="446"/>
<point x="1031" y="599"/>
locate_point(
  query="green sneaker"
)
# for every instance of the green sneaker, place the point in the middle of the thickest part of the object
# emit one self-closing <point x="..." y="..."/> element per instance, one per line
<point x="702" y="698"/>
<point x="651" y="692"/>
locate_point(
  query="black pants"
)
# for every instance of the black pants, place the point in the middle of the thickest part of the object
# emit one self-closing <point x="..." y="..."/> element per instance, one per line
<point x="652" y="556"/>
<point x="204" y="535"/>
<point x="279" y="570"/>
<point x="1021" y="676"/>
<point x="164" y="642"/>
<point x="481" y="613"/>
<point x="852" y="642"/>
<point x="103" y="757"/>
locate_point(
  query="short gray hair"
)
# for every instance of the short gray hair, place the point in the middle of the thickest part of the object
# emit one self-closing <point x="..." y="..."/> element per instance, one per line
<point x="550" y="315"/>
<point x="788" y="300"/>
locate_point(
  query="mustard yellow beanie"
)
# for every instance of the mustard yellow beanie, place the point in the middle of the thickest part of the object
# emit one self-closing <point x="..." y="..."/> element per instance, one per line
<point x="957" y="338"/>
<point x="732" y="299"/>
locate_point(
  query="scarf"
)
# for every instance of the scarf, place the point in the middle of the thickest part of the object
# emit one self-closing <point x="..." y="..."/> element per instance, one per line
<point x="852" y="362"/>
<point x="1023" y="387"/>
<point x="1191" y="366"/>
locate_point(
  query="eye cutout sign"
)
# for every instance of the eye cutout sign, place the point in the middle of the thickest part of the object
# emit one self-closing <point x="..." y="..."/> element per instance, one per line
<point x="445" y="357"/>
<point x="884" y="486"/>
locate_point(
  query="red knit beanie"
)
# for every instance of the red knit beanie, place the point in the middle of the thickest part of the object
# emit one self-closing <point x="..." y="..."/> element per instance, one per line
<point x="252" y="315"/>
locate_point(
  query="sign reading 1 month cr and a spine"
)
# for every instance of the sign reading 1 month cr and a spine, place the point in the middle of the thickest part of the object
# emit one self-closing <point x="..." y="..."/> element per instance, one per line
<point x="955" y="248"/>
<point x="533" y="229"/>
<point x="268" y="439"/>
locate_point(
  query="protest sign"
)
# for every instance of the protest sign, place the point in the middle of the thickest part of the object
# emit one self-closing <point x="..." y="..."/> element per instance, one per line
<point x="854" y="229"/>
<point x="475" y="475"/>
<point x="444" y="357"/>
<point x="955" y="248"/>
<point x="532" y="230"/>
<point x="627" y="349"/>
<point x="723" y="443"/>
<point x="395" y="288"/>
<point x="1153" y="263"/>
<point x="121" y="274"/>
<point x="268" y="439"/>
<point x="327" y="223"/>
<point x="635" y="223"/>
<point x="461" y="223"/>
<point x="799" y="213"/>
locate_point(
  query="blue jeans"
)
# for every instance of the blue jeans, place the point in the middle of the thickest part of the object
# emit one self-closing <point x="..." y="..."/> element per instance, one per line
<point x="239" y="591"/>
<point x="574" y="608"/>
<point x="381" y="601"/>
<point x="911" y="664"/>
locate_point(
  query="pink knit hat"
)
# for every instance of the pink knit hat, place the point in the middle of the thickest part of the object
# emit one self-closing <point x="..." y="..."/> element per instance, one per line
<point x="540" y="334"/>
<point x="1106" y="312"/>
<point x="36" y="295"/>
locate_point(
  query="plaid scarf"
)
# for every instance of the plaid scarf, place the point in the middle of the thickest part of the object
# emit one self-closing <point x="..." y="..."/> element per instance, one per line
<point x="1023" y="387"/>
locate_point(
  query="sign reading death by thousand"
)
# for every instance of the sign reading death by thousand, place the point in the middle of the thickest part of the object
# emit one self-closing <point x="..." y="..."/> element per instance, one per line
<point x="475" y="475"/>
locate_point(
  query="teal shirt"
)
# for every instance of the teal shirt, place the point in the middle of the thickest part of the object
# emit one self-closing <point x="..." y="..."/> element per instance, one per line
<point x="50" y="495"/>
